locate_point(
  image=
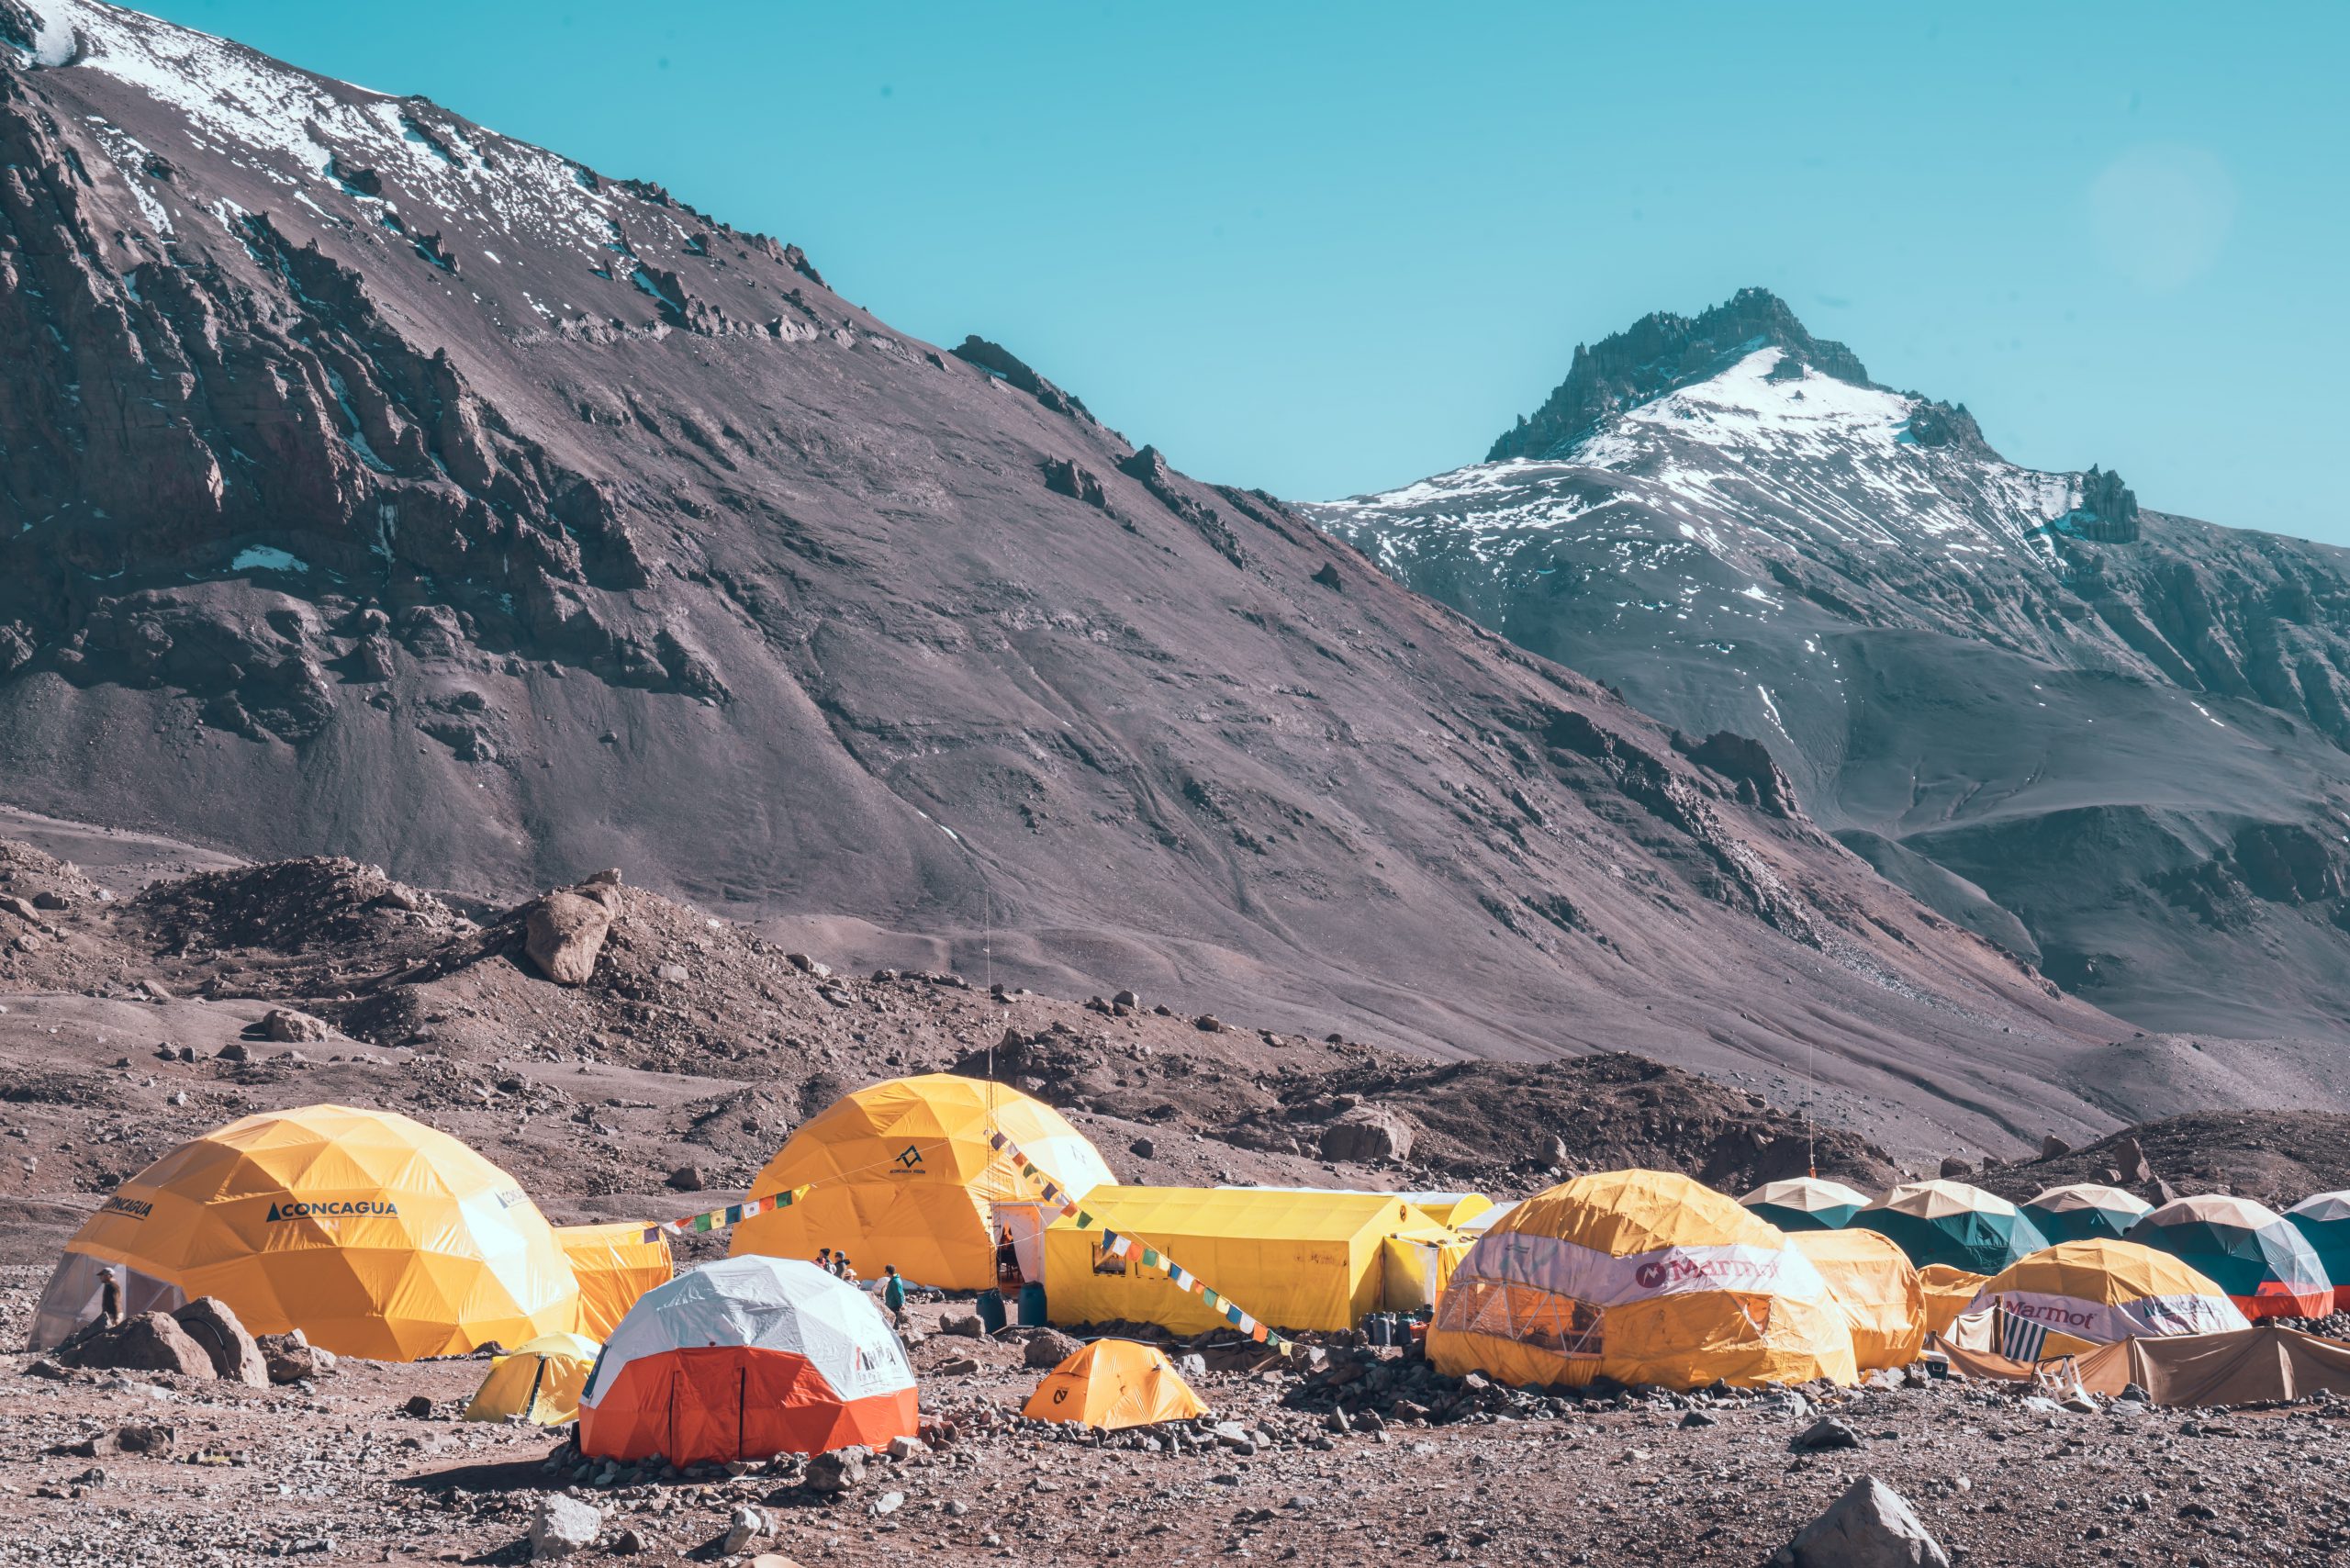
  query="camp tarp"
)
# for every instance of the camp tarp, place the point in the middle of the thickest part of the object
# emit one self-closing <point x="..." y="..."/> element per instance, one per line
<point x="1952" y="1224"/>
<point x="2085" y="1211"/>
<point x="1292" y="1260"/>
<point x="540" y="1382"/>
<point x="902" y="1173"/>
<point x="2264" y="1365"/>
<point x="1807" y="1202"/>
<point x="745" y="1358"/>
<point x="1416" y="1270"/>
<point x="1878" y="1289"/>
<point x="614" y="1265"/>
<point x="1114" y="1384"/>
<point x="1948" y="1291"/>
<point x="1458" y="1210"/>
<point x="1641" y="1276"/>
<point x="375" y="1236"/>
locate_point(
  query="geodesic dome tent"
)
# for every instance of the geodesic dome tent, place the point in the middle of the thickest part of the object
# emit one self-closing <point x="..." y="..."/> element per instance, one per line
<point x="1643" y="1276"/>
<point x="747" y="1358"/>
<point x="904" y="1174"/>
<point x="374" y="1235"/>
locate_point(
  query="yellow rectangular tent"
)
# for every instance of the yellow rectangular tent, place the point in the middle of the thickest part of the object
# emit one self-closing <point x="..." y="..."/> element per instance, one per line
<point x="614" y="1265"/>
<point x="1295" y="1259"/>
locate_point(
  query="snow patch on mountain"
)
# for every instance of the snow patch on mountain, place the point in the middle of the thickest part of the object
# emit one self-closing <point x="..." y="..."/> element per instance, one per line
<point x="307" y="132"/>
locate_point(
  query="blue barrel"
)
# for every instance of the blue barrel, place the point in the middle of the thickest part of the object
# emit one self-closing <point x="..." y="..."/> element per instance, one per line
<point x="1032" y="1305"/>
<point x="991" y="1311"/>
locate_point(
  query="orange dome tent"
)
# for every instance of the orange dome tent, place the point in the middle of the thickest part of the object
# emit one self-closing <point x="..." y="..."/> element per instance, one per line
<point x="903" y="1175"/>
<point x="374" y="1235"/>
<point x="1115" y="1383"/>
<point x="614" y="1264"/>
<point x="745" y="1358"/>
<point x="1877" y="1287"/>
<point x="1642" y="1276"/>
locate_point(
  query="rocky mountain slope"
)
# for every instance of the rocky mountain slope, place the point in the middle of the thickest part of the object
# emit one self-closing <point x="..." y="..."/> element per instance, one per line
<point x="372" y="483"/>
<point x="2111" y="740"/>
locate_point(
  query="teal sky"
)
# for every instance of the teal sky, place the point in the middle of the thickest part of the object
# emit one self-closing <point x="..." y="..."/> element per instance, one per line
<point x="1329" y="249"/>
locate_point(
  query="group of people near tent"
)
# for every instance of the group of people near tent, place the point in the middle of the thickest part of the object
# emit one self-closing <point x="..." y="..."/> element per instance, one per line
<point x="380" y="1237"/>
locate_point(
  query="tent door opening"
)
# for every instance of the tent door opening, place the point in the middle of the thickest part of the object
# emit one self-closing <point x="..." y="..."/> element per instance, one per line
<point x="1026" y="1223"/>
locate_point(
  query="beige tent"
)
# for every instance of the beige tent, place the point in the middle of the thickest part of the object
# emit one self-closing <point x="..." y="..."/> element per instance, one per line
<point x="2259" y="1365"/>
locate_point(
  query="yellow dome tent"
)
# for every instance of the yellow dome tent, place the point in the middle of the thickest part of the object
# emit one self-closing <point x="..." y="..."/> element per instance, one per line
<point x="1642" y="1276"/>
<point x="1877" y="1287"/>
<point x="1115" y="1383"/>
<point x="903" y="1174"/>
<point x="374" y="1235"/>
<point x="541" y="1381"/>
<point x="1948" y="1290"/>
<point x="2101" y="1291"/>
<point x="614" y="1264"/>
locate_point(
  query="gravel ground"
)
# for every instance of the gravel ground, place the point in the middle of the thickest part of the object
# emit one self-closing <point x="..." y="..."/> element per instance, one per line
<point x="342" y="1474"/>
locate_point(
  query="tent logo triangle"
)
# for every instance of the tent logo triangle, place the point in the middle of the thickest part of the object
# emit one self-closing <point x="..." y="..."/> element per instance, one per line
<point x="273" y="1215"/>
<point x="911" y="1159"/>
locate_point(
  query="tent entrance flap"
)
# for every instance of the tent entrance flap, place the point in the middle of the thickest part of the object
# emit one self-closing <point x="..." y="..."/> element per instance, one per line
<point x="1027" y="1222"/>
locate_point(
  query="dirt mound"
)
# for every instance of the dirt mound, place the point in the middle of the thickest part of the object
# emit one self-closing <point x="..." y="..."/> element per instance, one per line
<point x="1501" y="1128"/>
<point x="2278" y="1156"/>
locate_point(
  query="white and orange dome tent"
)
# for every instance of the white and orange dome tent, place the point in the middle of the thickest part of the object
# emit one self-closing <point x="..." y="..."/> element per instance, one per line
<point x="747" y="1358"/>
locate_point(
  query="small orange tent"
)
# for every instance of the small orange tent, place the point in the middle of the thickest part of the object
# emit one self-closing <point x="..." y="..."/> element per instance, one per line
<point x="1115" y="1383"/>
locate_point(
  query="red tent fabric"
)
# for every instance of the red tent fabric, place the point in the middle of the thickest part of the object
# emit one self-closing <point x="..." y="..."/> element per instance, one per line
<point x="747" y="1359"/>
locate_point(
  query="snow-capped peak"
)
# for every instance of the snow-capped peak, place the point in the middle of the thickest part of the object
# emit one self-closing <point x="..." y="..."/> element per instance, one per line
<point x="1768" y="398"/>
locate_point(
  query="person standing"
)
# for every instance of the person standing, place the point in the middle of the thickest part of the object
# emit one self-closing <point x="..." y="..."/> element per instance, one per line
<point x="893" y="1295"/>
<point x="824" y="1261"/>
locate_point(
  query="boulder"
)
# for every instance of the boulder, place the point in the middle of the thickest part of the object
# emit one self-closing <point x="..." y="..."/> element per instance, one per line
<point x="688" y="1179"/>
<point x="1368" y="1132"/>
<point x="235" y="1050"/>
<point x="965" y="1323"/>
<point x="2052" y="1146"/>
<point x="563" y="934"/>
<point x="1048" y="1349"/>
<point x="1824" y="1434"/>
<point x="562" y="1525"/>
<point x="745" y="1525"/>
<point x="290" y="1358"/>
<point x="837" y="1470"/>
<point x="212" y="1324"/>
<point x="289" y="1027"/>
<point x="150" y="1342"/>
<point x="1956" y="1168"/>
<point x="1143" y="1148"/>
<point x="1869" y="1527"/>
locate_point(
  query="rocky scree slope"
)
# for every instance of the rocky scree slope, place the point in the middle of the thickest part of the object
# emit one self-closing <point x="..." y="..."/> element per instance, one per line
<point x="686" y="1049"/>
<point x="376" y="484"/>
<point x="2110" y="740"/>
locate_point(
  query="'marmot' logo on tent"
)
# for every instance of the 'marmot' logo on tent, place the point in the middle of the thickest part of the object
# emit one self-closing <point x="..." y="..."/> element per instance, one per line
<point x="1724" y="1271"/>
<point x="136" y="1208"/>
<point x="512" y="1195"/>
<point x="334" y="1208"/>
